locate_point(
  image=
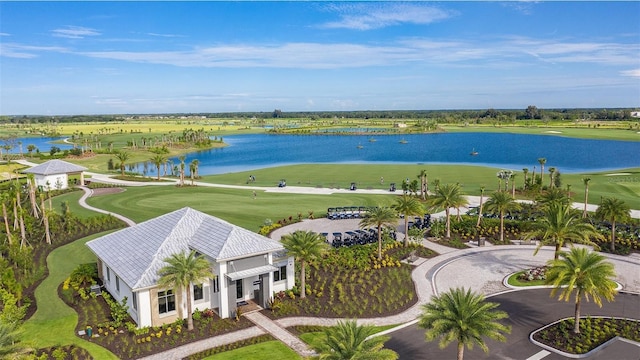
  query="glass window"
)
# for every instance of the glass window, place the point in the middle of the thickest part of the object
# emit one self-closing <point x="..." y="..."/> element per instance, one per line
<point x="117" y="284"/>
<point x="216" y="285"/>
<point x="166" y="301"/>
<point x="108" y="274"/>
<point x="134" y="301"/>
<point x="198" y="293"/>
<point x="280" y="274"/>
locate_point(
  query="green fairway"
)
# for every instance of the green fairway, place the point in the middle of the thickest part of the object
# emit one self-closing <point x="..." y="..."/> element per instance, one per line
<point x="559" y="129"/>
<point x="238" y="206"/>
<point x="54" y="322"/>
<point x="234" y="205"/>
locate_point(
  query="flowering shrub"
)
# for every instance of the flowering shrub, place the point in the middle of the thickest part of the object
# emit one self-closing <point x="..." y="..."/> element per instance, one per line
<point x="537" y="273"/>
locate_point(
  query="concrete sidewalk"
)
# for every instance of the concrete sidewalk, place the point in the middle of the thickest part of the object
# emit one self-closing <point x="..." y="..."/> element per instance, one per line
<point x="280" y="333"/>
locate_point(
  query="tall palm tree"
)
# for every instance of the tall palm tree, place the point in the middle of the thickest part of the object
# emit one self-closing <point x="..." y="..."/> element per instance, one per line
<point x="613" y="210"/>
<point x="379" y="217"/>
<point x="502" y="203"/>
<point x="448" y="196"/>
<point x="542" y="161"/>
<point x="182" y="165"/>
<point x="423" y="184"/>
<point x="408" y="206"/>
<point x="123" y="157"/>
<point x="192" y="171"/>
<point x="585" y="181"/>
<point x="158" y="160"/>
<point x="350" y="341"/>
<point x="305" y="246"/>
<point x="480" y="210"/>
<point x="525" y="171"/>
<point x="561" y="224"/>
<point x="552" y="171"/>
<point x="181" y="271"/>
<point x="465" y="317"/>
<point x="584" y="272"/>
<point x="195" y="163"/>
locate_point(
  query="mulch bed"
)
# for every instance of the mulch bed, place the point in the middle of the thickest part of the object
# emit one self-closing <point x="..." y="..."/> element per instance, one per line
<point x="126" y="345"/>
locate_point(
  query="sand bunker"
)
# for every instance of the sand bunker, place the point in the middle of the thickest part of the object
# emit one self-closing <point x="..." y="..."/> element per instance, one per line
<point x="553" y="132"/>
<point x="617" y="174"/>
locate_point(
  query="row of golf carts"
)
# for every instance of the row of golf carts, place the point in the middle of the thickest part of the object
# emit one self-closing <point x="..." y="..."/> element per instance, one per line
<point x="356" y="237"/>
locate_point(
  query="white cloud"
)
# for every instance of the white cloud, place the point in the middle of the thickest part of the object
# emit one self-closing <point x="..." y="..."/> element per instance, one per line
<point x="368" y="16"/>
<point x="631" y="73"/>
<point x="12" y="50"/>
<point x="75" y="32"/>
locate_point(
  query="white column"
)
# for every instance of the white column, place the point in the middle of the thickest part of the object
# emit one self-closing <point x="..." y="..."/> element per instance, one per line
<point x="223" y="298"/>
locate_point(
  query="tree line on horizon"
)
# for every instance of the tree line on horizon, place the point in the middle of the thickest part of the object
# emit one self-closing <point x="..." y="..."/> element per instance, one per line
<point x="472" y="116"/>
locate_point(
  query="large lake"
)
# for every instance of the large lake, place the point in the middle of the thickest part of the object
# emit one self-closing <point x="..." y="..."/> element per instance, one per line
<point x="509" y="151"/>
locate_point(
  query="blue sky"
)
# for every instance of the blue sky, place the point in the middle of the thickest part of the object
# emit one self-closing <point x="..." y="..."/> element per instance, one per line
<point x="168" y="57"/>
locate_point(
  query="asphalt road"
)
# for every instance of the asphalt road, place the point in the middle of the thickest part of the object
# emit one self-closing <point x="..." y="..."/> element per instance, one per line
<point x="528" y="310"/>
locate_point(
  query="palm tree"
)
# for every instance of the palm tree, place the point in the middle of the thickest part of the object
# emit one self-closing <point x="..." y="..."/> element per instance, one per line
<point x="158" y="160"/>
<point x="552" y="171"/>
<point x="501" y="203"/>
<point x="350" y="341"/>
<point x="423" y="184"/>
<point x="379" y="217"/>
<point x="480" y="209"/>
<point x="123" y="157"/>
<point x="448" y="196"/>
<point x="192" y="171"/>
<point x="559" y="225"/>
<point x="613" y="210"/>
<point x="10" y="346"/>
<point x="554" y="195"/>
<point x="526" y="172"/>
<point x="542" y="161"/>
<point x="30" y="149"/>
<point x="182" y="165"/>
<point x="585" y="272"/>
<point x="585" y="181"/>
<point x="407" y="206"/>
<point x="195" y="163"/>
<point x="181" y="271"/>
<point x="305" y="246"/>
<point x="462" y="316"/>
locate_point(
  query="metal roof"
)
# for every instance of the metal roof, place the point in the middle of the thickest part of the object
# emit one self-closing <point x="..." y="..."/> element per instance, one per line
<point x="136" y="253"/>
<point x="53" y="167"/>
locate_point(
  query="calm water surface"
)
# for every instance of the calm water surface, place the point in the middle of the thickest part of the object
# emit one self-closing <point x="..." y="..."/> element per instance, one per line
<point x="510" y="151"/>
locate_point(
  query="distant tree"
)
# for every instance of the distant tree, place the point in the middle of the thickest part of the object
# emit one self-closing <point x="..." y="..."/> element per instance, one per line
<point x="277" y="113"/>
<point x="532" y="112"/>
<point x="542" y="161"/>
<point x="123" y="157"/>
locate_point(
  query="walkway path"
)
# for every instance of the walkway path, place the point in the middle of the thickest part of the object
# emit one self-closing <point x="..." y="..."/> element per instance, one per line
<point x="83" y="202"/>
<point x="279" y="333"/>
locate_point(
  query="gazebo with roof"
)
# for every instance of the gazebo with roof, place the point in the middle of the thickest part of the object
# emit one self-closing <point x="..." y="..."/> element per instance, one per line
<point x="54" y="174"/>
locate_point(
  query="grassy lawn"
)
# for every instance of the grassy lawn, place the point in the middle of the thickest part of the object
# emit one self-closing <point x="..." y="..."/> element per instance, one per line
<point x="513" y="281"/>
<point x="233" y="205"/>
<point x="565" y="129"/>
<point x="71" y="199"/>
<point x="54" y="322"/>
<point x="264" y="351"/>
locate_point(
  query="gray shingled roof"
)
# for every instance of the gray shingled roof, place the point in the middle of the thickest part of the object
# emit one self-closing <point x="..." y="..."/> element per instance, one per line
<point x="53" y="167"/>
<point x="136" y="254"/>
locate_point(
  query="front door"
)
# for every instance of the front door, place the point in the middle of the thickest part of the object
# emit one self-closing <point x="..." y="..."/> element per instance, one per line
<point x="239" y="290"/>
